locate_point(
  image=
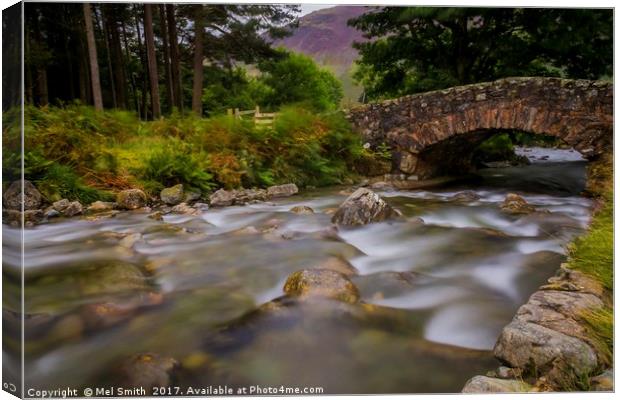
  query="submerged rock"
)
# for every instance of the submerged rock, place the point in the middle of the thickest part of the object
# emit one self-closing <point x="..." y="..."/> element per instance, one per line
<point x="31" y="217"/>
<point x="323" y="283"/>
<point x="172" y="195"/>
<point x="157" y="216"/>
<point x="516" y="204"/>
<point x="12" y="198"/>
<point x="337" y="264"/>
<point x="363" y="207"/>
<point x="302" y="210"/>
<point x="466" y="196"/>
<point x="286" y="190"/>
<point x="383" y="284"/>
<point x="183" y="208"/>
<point x="485" y="384"/>
<point x="131" y="199"/>
<point x="148" y="370"/>
<point x="100" y="206"/>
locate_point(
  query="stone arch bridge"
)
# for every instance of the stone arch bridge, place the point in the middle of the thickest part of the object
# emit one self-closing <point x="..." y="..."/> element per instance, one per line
<point x="435" y="133"/>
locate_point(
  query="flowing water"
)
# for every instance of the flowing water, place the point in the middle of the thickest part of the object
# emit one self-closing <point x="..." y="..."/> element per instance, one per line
<point x="435" y="295"/>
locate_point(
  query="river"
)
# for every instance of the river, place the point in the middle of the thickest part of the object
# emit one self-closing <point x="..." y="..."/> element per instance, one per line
<point x="435" y="295"/>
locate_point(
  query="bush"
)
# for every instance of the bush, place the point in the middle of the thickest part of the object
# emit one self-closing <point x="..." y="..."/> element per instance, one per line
<point x="296" y="79"/>
<point x="110" y="151"/>
<point x="61" y="182"/>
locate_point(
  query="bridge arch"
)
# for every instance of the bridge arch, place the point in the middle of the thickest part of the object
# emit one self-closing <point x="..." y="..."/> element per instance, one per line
<point x="436" y="132"/>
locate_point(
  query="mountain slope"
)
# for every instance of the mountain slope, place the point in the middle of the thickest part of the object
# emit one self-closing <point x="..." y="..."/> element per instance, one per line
<point x="325" y="36"/>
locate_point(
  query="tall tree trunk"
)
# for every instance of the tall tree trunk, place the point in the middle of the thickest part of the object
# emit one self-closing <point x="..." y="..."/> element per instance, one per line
<point x="152" y="61"/>
<point x="164" y="36"/>
<point x="116" y="54"/>
<point x="28" y="70"/>
<point x="92" y="58"/>
<point x="198" y="58"/>
<point x="106" y="41"/>
<point x="42" y="86"/>
<point x="174" y="57"/>
<point x="132" y="80"/>
<point x="144" y="64"/>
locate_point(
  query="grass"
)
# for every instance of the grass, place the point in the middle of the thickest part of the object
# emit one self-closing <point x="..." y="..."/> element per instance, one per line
<point x="593" y="253"/>
<point x="80" y="154"/>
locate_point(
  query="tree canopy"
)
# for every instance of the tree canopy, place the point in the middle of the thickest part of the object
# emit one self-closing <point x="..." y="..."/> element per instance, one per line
<point x="415" y="49"/>
<point x="145" y="55"/>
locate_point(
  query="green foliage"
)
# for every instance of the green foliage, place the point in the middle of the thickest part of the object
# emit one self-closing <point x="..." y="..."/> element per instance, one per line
<point x="232" y="90"/>
<point x="532" y="139"/>
<point x="289" y="78"/>
<point x="109" y="151"/>
<point x="176" y="163"/>
<point x="600" y="326"/>
<point x="60" y="181"/>
<point x="593" y="252"/>
<point x="416" y="49"/>
<point x="496" y="148"/>
<point x="296" y="79"/>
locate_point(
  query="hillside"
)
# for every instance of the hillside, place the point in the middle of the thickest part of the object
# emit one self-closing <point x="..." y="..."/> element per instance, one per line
<point x="325" y="36"/>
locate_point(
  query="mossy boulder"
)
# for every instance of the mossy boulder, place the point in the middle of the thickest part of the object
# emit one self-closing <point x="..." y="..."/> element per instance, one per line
<point x="173" y="195"/>
<point x="321" y="283"/>
<point x="131" y="199"/>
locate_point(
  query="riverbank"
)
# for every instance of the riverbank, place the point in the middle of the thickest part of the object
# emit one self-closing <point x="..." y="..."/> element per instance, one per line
<point x="76" y="153"/>
<point x="562" y="338"/>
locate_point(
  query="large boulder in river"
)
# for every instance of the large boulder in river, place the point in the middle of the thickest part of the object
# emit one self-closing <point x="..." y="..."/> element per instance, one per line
<point x="363" y="207"/>
<point x="286" y="190"/>
<point x="321" y="283"/>
<point x="515" y="204"/>
<point x="172" y="195"/>
<point x="131" y="199"/>
<point x="13" y="196"/>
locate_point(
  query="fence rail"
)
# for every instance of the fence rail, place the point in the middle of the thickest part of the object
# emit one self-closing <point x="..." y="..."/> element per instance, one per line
<point x="263" y="119"/>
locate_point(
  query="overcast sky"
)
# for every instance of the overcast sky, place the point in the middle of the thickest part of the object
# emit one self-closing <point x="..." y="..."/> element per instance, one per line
<point x="308" y="8"/>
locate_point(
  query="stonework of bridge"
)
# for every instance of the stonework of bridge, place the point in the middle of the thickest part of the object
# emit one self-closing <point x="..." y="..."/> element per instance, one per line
<point x="435" y="133"/>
